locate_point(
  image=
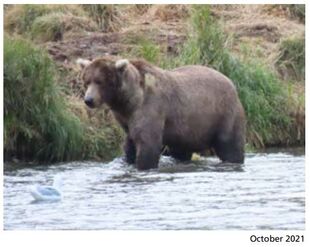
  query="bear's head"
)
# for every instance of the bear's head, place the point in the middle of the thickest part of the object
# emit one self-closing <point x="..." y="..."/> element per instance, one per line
<point x="115" y="82"/>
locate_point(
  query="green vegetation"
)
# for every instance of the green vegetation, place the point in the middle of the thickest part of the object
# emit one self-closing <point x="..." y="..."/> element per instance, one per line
<point x="45" y="118"/>
<point x="264" y="97"/>
<point x="298" y="11"/>
<point x="19" y="18"/>
<point x="291" y="60"/>
<point x="149" y="51"/>
<point x="38" y="124"/>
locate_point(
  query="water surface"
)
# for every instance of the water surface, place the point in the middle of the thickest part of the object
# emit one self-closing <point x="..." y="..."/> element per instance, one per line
<point x="267" y="192"/>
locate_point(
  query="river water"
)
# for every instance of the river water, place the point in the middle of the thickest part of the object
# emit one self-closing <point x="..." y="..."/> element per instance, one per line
<point x="267" y="192"/>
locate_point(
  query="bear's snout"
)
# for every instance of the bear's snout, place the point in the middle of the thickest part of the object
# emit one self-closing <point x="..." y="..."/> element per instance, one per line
<point x="92" y="96"/>
<point x="89" y="101"/>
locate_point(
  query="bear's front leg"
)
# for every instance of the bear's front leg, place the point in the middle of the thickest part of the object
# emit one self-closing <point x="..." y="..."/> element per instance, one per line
<point x="146" y="131"/>
<point x="148" y="143"/>
<point x="148" y="155"/>
<point x="130" y="151"/>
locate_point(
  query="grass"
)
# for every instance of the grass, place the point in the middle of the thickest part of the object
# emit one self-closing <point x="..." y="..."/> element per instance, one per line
<point x="291" y="60"/>
<point x="42" y="122"/>
<point x="48" y="27"/>
<point x="264" y="97"/>
<point x="38" y="122"/>
<point x="148" y="50"/>
<point x="19" y="18"/>
<point x="53" y="26"/>
<point x="297" y="11"/>
<point x="167" y="12"/>
<point x="105" y="15"/>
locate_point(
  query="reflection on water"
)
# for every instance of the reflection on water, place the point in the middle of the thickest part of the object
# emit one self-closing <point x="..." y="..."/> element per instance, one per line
<point x="267" y="192"/>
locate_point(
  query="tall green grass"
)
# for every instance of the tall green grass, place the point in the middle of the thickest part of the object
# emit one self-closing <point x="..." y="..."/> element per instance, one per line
<point x="291" y="59"/>
<point x="36" y="120"/>
<point x="38" y="124"/>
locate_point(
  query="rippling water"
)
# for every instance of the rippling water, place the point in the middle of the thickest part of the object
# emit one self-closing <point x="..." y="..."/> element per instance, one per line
<point x="267" y="192"/>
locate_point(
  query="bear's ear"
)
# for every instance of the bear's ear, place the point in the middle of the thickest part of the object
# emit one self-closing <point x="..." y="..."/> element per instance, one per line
<point x="83" y="62"/>
<point x="121" y="64"/>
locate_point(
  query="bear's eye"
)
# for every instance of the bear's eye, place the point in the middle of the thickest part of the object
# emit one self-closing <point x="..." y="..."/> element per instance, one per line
<point x="86" y="84"/>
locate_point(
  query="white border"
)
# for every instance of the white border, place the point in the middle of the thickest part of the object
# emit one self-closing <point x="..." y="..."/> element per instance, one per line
<point x="1" y="121"/>
<point x="149" y="238"/>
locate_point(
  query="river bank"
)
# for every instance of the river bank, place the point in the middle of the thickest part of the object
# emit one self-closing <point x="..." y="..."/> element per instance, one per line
<point x="51" y="115"/>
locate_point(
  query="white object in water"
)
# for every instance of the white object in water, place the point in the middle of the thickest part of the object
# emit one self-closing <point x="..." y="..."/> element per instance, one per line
<point x="47" y="193"/>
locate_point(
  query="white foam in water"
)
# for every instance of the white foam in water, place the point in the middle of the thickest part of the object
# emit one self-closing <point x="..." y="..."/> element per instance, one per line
<point x="166" y="161"/>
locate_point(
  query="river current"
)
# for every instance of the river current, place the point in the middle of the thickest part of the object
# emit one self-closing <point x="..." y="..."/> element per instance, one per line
<point x="267" y="192"/>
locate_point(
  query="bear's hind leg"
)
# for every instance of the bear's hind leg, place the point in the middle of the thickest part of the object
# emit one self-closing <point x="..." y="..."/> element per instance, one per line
<point x="130" y="151"/>
<point x="229" y="145"/>
<point x="228" y="151"/>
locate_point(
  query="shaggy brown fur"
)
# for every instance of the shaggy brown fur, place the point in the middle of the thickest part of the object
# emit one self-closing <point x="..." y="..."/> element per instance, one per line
<point x="188" y="109"/>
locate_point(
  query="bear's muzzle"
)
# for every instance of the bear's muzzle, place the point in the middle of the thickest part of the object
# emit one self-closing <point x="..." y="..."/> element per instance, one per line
<point x="89" y="102"/>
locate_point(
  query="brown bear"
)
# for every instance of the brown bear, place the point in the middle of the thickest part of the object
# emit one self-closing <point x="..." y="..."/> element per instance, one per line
<point x="188" y="109"/>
